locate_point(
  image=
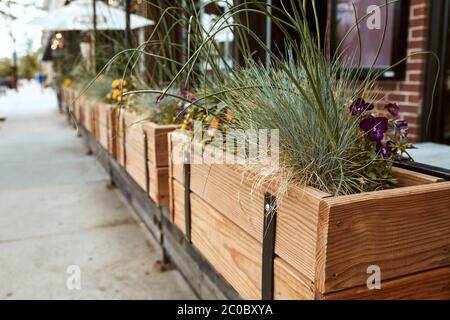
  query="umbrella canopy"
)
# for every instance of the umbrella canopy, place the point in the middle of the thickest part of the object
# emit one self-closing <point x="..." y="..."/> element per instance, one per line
<point x="79" y="16"/>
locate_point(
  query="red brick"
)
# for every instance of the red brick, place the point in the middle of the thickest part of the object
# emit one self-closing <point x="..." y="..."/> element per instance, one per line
<point x="420" y="33"/>
<point x="391" y="86"/>
<point x="420" y="11"/>
<point x="414" y="98"/>
<point x="409" y="108"/>
<point x="411" y="87"/>
<point x="415" y="77"/>
<point x="415" y="119"/>
<point x="418" y="22"/>
<point x="413" y="130"/>
<point x="397" y="97"/>
<point x="414" y="2"/>
<point x="417" y="44"/>
<point x="415" y="66"/>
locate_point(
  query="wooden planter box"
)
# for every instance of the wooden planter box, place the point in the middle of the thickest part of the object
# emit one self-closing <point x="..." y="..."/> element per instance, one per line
<point x="75" y="106"/>
<point x="68" y="97"/>
<point x="158" y="161"/>
<point x="109" y="118"/>
<point x="146" y="155"/>
<point x="89" y="115"/>
<point x="135" y="149"/>
<point x="323" y="244"/>
<point x="102" y="124"/>
<point x="83" y="107"/>
<point x="64" y="97"/>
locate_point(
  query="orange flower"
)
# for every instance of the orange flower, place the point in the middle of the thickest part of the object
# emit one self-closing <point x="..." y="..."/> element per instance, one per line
<point x="215" y="123"/>
<point x="229" y="116"/>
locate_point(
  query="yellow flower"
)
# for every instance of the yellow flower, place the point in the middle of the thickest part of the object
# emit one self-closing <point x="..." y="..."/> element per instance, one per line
<point x="119" y="83"/>
<point x="184" y="125"/>
<point x="215" y="123"/>
<point x="116" y="94"/>
<point x="67" y="82"/>
<point x="114" y="84"/>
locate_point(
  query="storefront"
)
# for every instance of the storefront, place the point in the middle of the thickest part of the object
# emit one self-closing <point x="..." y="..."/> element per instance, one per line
<point x="410" y="84"/>
<point x="405" y="34"/>
<point x="439" y="128"/>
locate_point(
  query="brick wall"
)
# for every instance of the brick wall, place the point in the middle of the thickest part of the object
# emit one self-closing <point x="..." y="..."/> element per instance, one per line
<point x="408" y="92"/>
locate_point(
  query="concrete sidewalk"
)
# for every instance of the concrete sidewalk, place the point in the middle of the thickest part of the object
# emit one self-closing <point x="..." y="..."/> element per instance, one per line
<point x="55" y="212"/>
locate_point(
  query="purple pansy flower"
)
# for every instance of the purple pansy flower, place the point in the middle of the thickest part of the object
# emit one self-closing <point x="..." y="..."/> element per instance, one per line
<point x="393" y="109"/>
<point x="405" y="132"/>
<point x="193" y="100"/>
<point x="185" y="92"/>
<point x="374" y="127"/>
<point x="401" y="124"/>
<point x="360" y="106"/>
<point x="384" y="151"/>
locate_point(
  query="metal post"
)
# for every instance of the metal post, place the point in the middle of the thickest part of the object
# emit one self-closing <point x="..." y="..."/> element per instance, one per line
<point x="94" y="36"/>
<point x="127" y="23"/>
<point x="268" y="34"/>
<point x="14" y="67"/>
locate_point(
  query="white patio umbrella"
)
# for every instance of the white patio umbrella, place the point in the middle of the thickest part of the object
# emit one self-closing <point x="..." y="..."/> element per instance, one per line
<point x="79" y="16"/>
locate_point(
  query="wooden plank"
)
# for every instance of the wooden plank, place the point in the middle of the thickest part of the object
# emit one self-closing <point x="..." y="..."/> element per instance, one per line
<point x="104" y="111"/>
<point x="135" y="149"/>
<point x="120" y="134"/>
<point x="176" y="151"/>
<point x="178" y="205"/>
<point x="171" y="195"/>
<point x="407" y="178"/>
<point x="234" y="254"/>
<point x="429" y="285"/>
<point x="82" y="106"/>
<point x="296" y="232"/>
<point x="289" y="284"/>
<point x="403" y="231"/>
<point x="103" y="135"/>
<point x="134" y="132"/>
<point x="197" y="271"/>
<point x="159" y="185"/>
<point x="157" y="140"/>
<point x="114" y="128"/>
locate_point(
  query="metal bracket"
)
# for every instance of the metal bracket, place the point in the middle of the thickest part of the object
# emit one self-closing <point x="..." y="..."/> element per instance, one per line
<point x="124" y="134"/>
<point x="187" y="196"/>
<point x="268" y="253"/>
<point x="424" y="168"/>
<point x="147" y="169"/>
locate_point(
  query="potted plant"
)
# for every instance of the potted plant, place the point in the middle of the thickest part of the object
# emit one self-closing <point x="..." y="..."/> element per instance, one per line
<point x="145" y="117"/>
<point x="329" y="210"/>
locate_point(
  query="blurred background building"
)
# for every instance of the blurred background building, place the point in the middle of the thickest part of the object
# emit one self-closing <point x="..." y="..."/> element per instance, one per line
<point x="413" y="26"/>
